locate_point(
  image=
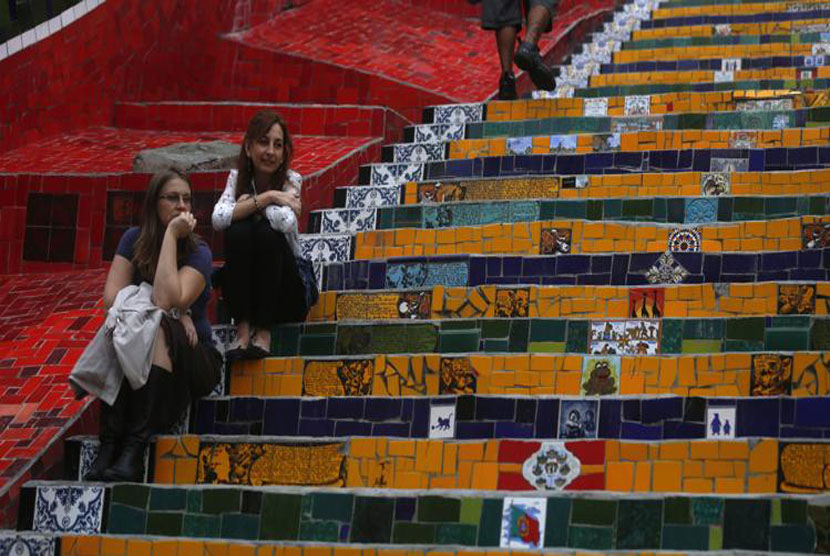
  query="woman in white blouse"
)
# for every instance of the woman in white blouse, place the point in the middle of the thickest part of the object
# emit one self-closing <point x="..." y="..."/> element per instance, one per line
<point x="258" y="212"/>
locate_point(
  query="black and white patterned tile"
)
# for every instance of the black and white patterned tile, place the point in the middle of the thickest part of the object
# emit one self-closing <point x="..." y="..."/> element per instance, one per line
<point x="14" y="543"/>
<point x="372" y="196"/>
<point x="431" y="133"/>
<point x="419" y="152"/>
<point x="348" y="221"/>
<point x="77" y="509"/>
<point x="326" y="249"/>
<point x="395" y="174"/>
<point x="458" y="113"/>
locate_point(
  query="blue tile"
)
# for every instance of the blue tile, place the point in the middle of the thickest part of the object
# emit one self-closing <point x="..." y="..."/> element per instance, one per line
<point x="757" y="417"/>
<point x="494" y="409"/>
<point x="316" y="427"/>
<point x="346" y="408"/>
<point x="281" y="417"/>
<point x="547" y="418"/>
<point x="314" y="409"/>
<point x="352" y="428"/>
<point x="656" y="410"/>
<point x="381" y="409"/>
<point x="812" y="412"/>
<point x="609" y="418"/>
<point x="396" y="430"/>
<point x="509" y="429"/>
<point x="474" y="430"/>
<point x="635" y="431"/>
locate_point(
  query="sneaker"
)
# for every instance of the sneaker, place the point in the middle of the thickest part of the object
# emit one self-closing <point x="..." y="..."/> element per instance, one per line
<point x="528" y="58"/>
<point x="507" y="87"/>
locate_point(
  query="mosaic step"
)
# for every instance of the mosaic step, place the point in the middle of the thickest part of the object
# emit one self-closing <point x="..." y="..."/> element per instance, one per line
<point x="807" y="84"/>
<point x="669" y="10"/>
<point x="735" y="56"/>
<point x="777" y="41"/>
<point x="682" y="184"/>
<point x="780" y="27"/>
<point x="800" y="374"/>
<point x="562" y="237"/>
<point x="819" y="11"/>
<point x="94" y="545"/>
<point x="713" y="76"/>
<point x="772" y="114"/>
<point x="690" y="3"/>
<point x="574" y="336"/>
<point x="735" y="65"/>
<point x="724" y="467"/>
<point x="658" y="161"/>
<point x="604" y="143"/>
<point x="633" y="142"/>
<point x="621" y="269"/>
<point x="597" y="302"/>
<point x="475" y="416"/>
<point x="676" y="210"/>
<point x="778" y="524"/>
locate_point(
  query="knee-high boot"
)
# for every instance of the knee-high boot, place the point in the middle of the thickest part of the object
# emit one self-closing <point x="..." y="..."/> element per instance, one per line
<point x="152" y="409"/>
<point x="110" y="432"/>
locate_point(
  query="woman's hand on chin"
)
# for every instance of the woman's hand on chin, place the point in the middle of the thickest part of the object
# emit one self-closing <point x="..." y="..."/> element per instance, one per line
<point x="182" y="225"/>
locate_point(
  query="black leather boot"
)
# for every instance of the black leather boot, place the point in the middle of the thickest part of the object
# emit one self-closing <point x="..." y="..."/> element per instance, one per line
<point x="110" y="433"/>
<point x="152" y="409"/>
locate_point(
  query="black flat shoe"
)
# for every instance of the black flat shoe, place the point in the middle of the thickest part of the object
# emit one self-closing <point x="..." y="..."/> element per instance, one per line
<point x="256" y="352"/>
<point x="236" y="354"/>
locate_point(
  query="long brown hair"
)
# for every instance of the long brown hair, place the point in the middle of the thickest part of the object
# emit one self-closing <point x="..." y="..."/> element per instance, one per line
<point x="259" y="126"/>
<point x="151" y="231"/>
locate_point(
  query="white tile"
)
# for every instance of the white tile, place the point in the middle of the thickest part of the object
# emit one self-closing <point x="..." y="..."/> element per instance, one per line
<point x="80" y="10"/>
<point x="67" y="17"/>
<point x="4" y="51"/>
<point x="15" y="45"/>
<point x="28" y="38"/>
<point x="442" y="421"/>
<point x="42" y="31"/>
<point x="720" y="423"/>
<point x="55" y="25"/>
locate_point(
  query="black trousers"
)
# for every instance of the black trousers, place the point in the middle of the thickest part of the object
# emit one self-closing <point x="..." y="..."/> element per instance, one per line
<point x="260" y="281"/>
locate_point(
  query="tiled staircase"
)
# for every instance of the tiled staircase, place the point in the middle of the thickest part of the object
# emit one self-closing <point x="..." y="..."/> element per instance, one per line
<point x="593" y="320"/>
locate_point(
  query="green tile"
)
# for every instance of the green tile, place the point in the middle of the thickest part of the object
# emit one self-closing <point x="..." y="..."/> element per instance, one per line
<point x="701" y="346"/>
<point x="707" y="511"/>
<point x="450" y="342"/>
<point x="639" y="524"/>
<point x="775" y="512"/>
<point x="471" y="511"/>
<point x="194" y="501"/>
<point x="438" y="509"/>
<point x="557" y="518"/>
<point x="594" y="512"/>
<point x="547" y="330"/>
<point x="280" y="516"/>
<point x="677" y="511"/>
<point x="391" y="338"/>
<point x="456" y="533"/>
<point x="126" y="520"/>
<point x="569" y="209"/>
<point x="715" y="537"/>
<point x="793" y="538"/>
<point x="612" y="209"/>
<point x="638" y="208"/>
<point x="240" y="526"/>
<point x="671" y="336"/>
<point x="218" y="501"/>
<point x="413" y="533"/>
<point x="492" y="346"/>
<point x="546" y="347"/>
<point x="168" y="499"/>
<point x="594" y="210"/>
<point x="462" y="325"/>
<point x="578" y="331"/>
<point x="685" y="537"/>
<point x="802" y="322"/>
<point x="320" y="531"/>
<point x="787" y="340"/>
<point x="306" y="506"/>
<point x="519" y="332"/>
<point x="168" y="524"/>
<point x="746" y="524"/>
<point x="332" y="506"/>
<point x="489" y="532"/>
<point x="750" y="329"/>
<point x="130" y="495"/>
<point x="820" y="335"/>
<point x="201" y="525"/>
<point x="372" y="522"/>
<point x="591" y="538"/>
<point x="793" y="511"/>
<point x="317" y="345"/>
<point x="495" y="328"/>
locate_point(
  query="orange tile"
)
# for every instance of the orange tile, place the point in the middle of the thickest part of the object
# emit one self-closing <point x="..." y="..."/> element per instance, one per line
<point x="667" y="476"/>
<point x="763" y="457"/>
<point x="620" y="476"/>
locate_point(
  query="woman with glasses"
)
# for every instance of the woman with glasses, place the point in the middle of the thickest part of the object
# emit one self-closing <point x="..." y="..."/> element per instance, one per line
<point x="163" y="252"/>
<point x="265" y="280"/>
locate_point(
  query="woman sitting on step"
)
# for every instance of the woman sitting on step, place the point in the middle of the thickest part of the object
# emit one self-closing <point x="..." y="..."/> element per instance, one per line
<point x="155" y="352"/>
<point x="265" y="279"/>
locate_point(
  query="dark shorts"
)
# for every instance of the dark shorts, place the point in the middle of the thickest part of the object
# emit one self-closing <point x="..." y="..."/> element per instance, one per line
<point x="496" y="14"/>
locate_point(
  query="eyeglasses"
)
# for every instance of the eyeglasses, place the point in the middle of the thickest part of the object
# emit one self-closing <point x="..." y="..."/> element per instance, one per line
<point x="174" y="198"/>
